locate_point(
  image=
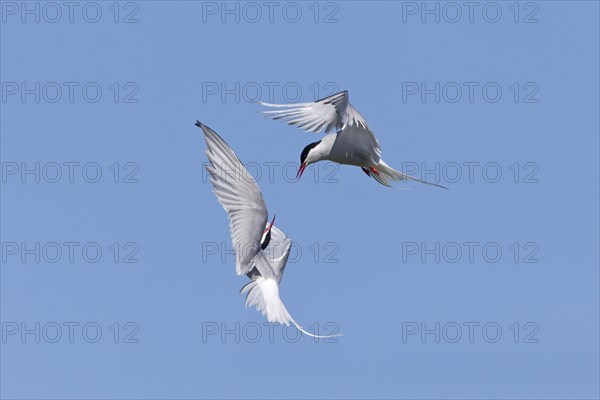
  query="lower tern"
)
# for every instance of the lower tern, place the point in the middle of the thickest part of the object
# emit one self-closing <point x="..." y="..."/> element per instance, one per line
<point x="353" y="144"/>
<point x="261" y="249"/>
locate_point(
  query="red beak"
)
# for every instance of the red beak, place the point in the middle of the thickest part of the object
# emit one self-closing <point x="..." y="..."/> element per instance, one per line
<point x="271" y="224"/>
<point x="301" y="170"/>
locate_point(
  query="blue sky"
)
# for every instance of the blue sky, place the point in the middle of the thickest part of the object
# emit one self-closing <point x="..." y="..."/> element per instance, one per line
<point x="117" y="279"/>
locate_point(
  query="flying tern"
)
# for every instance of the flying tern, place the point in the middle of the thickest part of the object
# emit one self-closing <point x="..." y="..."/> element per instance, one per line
<point x="261" y="249"/>
<point x="353" y="144"/>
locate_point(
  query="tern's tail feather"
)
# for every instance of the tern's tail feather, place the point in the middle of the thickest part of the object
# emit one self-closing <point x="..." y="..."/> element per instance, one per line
<point x="264" y="294"/>
<point x="386" y="174"/>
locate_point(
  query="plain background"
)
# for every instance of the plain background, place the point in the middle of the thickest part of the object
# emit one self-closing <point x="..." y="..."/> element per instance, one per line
<point x="373" y="290"/>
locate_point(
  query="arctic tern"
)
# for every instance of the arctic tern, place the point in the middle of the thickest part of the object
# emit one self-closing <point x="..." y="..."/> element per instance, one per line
<point x="353" y="144"/>
<point x="261" y="249"/>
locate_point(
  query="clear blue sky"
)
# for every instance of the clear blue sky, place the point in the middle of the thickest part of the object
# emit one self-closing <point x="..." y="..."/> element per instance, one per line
<point x="375" y="276"/>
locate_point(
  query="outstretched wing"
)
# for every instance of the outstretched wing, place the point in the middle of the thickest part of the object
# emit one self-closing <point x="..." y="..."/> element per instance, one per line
<point x="333" y="112"/>
<point x="240" y="196"/>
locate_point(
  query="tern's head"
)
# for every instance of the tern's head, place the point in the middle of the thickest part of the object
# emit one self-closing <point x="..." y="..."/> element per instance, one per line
<point x="308" y="156"/>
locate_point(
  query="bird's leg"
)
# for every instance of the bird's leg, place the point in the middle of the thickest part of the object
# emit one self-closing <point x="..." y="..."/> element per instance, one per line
<point x="374" y="170"/>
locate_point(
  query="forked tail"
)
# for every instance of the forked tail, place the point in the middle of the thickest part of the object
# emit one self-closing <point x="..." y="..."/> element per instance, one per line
<point x="264" y="294"/>
<point x="383" y="174"/>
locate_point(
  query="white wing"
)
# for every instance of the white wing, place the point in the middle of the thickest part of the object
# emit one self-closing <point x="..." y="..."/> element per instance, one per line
<point x="333" y="112"/>
<point x="239" y="194"/>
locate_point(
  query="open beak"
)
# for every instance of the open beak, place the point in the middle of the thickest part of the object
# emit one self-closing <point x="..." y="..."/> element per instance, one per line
<point x="270" y="225"/>
<point x="301" y="170"/>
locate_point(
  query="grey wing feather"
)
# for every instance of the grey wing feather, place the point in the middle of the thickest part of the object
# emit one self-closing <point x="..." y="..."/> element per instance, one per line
<point x="358" y="141"/>
<point x="351" y="117"/>
<point x="240" y="196"/>
<point x="333" y="112"/>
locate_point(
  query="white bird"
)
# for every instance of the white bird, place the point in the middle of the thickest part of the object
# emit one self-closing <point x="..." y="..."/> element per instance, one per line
<point x="261" y="250"/>
<point x="353" y="144"/>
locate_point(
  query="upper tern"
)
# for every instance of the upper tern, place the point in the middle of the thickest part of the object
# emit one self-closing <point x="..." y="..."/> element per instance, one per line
<point x="261" y="250"/>
<point x="352" y="144"/>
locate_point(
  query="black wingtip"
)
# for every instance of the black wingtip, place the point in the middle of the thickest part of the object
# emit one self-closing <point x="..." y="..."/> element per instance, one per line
<point x="198" y="124"/>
